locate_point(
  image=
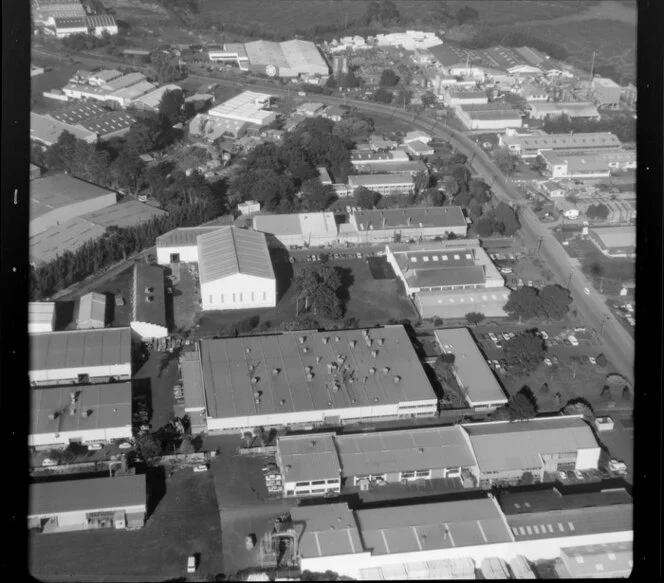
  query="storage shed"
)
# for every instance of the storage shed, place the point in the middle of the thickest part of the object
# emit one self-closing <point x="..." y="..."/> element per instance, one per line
<point x="91" y="311"/>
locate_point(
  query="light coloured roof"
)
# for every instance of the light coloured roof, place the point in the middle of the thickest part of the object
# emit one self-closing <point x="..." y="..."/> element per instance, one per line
<point x="263" y="52"/>
<point x="134" y="91"/>
<point x="41" y="312"/>
<point x="80" y="348"/>
<point x="194" y="396"/>
<point x="230" y="391"/>
<point x="153" y="98"/>
<point x="148" y="302"/>
<point x="309" y="457"/>
<point x="571" y="108"/>
<point x="68" y="236"/>
<point x="564" y="141"/>
<point x="419" y="147"/>
<point x="369" y="180"/>
<point x="46" y="129"/>
<point x="410" y="167"/>
<point x="571" y="522"/>
<point x="106" y="406"/>
<point x="127" y="213"/>
<point x="305" y="224"/>
<point x="394" y="155"/>
<point x="489" y="301"/>
<point x="187" y="236"/>
<point x="470" y="366"/>
<point x="229" y="251"/>
<point x="101" y="20"/>
<point x="236" y="48"/>
<point x="447" y="216"/>
<point x="91" y="307"/>
<point x="302" y="55"/>
<point x="91" y="494"/>
<point x="244" y="107"/>
<point x="616" y="236"/>
<point x="428" y="527"/>
<point x="106" y="75"/>
<point x="446" y="276"/>
<point x="505" y="446"/>
<point x="326" y="530"/>
<point x="396" y="451"/>
<point x="587" y="561"/>
<point x="63" y="23"/>
<point x="61" y="190"/>
<point x="125" y="81"/>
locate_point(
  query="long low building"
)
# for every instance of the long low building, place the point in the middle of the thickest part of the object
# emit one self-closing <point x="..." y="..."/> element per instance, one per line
<point x="148" y="302"/>
<point x="572" y="109"/>
<point x="118" y="502"/>
<point x="46" y="130"/>
<point x="489" y="116"/>
<point x="310" y="229"/>
<point x="301" y="379"/>
<point x="80" y="356"/>
<point x="615" y="241"/>
<point x="530" y="146"/>
<point x="396" y="183"/>
<point x="82" y="414"/>
<point x="587" y="164"/>
<point x="449" y="539"/>
<point x="248" y="107"/>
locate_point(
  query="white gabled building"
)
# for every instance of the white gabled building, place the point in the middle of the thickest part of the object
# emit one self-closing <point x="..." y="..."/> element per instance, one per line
<point x="91" y="311"/>
<point x="235" y="270"/>
<point x="41" y="317"/>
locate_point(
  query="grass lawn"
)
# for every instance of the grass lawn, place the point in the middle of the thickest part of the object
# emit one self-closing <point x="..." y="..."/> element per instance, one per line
<point x="185" y="521"/>
<point x="56" y="78"/>
<point x="370" y="301"/>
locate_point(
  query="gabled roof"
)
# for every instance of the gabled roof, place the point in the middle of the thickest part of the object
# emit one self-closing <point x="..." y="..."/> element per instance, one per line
<point x="94" y="494"/>
<point x="229" y="251"/>
<point x="149" y="297"/>
<point x="326" y="530"/>
<point x="61" y="190"/>
<point x="91" y="306"/>
<point x="309" y="457"/>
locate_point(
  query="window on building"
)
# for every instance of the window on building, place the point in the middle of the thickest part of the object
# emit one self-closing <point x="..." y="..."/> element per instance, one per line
<point x="233" y="297"/>
<point x="425" y="259"/>
<point x="222" y="298"/>
<point x="210" y="298"/>
<point x="252" y="296"/>
<point x="456" y="257"/>
<point x="445" y="257"/>
<point x="264" y="296"/>
<point x="317" y="482"/>
<point x="407" y="475"/>
<point x="302" y="484"/>
<point x="435" y="257"/>
<point x="413" y="259"/>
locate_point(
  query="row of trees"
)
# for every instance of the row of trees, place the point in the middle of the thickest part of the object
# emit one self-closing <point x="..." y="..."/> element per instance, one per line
<point x="88" y="42"/>
<point x="501" y="220"/>
<point x="622" y="125"/>
<point x="550" y="303"/>
<point x="273" y="174"/>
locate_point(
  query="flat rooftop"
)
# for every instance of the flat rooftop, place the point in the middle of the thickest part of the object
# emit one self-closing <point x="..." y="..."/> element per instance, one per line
<point x="106" y="405"/>
<point x="428" y="527"/>
<point x="69" y="235"/>
<point x="305" y="224"/>
<point x="507" y="446"/>
<point x="527" y="502"/>
<point x="429" y="217"/>
<point x="616" y="236"/>
<point x="80" y="348"/>
<point x="61" y="190"/>
<point x="564" y="141"/>
<point x="93" y="494"/>
<point x="309" y="457"/>
<point x="47" y="129"/>
<point x="339" y="361"/>
<point x="369" y="180"/>
<point x="186" y="236"/>
<point x="471" y="368"/>
<point x="127" y="213"/>
<point x="148" y="277"/>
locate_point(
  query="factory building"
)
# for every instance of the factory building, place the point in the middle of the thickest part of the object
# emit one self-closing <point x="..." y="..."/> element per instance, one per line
<point x="587" y="164"/>
<point x="301" y="229"/>
<point x="41" y="317"/>
<point x="230" y="52"/>
<point x="601" y="561"/>
<point x="46" y="130"/>
<point x="489" y="116"/>
<point x="235" y="270"/>
<point x="91" y="311"/>
<point x="606" y="93"/>
<point x="247" y="107"/>
<point x="80" y="356"/>
<point x="45" y="10"/>
<point x="148" y="302"/>
<point x="476" y="380"/>
<point x="530" y="146"/>
<point x="451" y="539"/>
<point x="574" y="109"/>
<point x="359" y="158"/>
<point x="303" y="379"/>
<point x="293" y="58"/>
<point x="412" y="167"/>
<point x="385" y="184"/>
<point x="93" y="117"/>
<point x="453" y="97"/>
<point x="79" y="414"/>
<point x="410" y="223"/>
<point x="538" y="446"/>
<point x="614" y="241"/>
<point x="180" y="245"/>
<point x="118" y="502"/>
<point x="56" y="199"/>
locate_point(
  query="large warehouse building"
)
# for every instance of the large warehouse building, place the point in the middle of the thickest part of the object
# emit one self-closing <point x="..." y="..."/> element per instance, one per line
<point x="118" y="502"/>
<point x="292" y="58"/>
<point x="615" y="241"/>
<point x="489" y="116"/>
<point x="181" y="245"/>
<point x="247" y="107"/>
<point x="310" y="229"/>
<point x="56" y="199"/>
<point x="572" y="109"/>
<point x="477" y="381"/>
<point x="309" y="378"/>
<point x="446" y="540"/>
<point x="235" y="270"/>
<point x="529" y="146"/>
<point x="80" y="356"/>
<point x="541" y="445"/>
<point x="79" y="414"/>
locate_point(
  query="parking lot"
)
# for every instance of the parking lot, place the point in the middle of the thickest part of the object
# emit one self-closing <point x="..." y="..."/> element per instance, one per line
<point x="519" y="269"/>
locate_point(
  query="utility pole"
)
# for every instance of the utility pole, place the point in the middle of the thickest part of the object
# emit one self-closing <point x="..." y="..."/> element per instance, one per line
<point x="569" y="280"/>
<point x="539" y="246"/>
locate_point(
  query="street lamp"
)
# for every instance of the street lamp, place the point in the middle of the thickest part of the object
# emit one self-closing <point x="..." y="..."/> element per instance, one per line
<point x="539" y="246"/>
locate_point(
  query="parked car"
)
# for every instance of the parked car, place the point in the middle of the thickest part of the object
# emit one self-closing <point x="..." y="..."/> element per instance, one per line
<point x="592" y="360"/>
<point x="555" y="360"/>
<point x="191" y="564"/>
<point x="573" y="341"/>
<point x="562" y="476"/>
<point x="201" y="468"/>
<point x="544" y="335"/>
<point x="48" y="462"/>
<point x="124" y="445"/>
<point x="94" y="446"/>
<point x="506" y="270"/>
<point x="586" y="291"/>
<point x="548" y="362"/>
<point x="571" y="475"/>
<point x="579" y="475"/>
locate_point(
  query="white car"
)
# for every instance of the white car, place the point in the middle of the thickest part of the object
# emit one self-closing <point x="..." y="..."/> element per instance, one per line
<point x="124" y="445"/>
<point x="573" y="341"/>
<point x="201" y="468"/>
<point x="548" y="362"/>
<point x="94" y="446"/>
<point x="506" y="270"/>
<point x="191" y="564"/>
<point x="586" y="291"/>
<point x="579" y="475"/>
<point x="544" y="335"/>
<point x="592" y="360"/>
<point x="562" y="476"/>
<point x="48" y="462"/>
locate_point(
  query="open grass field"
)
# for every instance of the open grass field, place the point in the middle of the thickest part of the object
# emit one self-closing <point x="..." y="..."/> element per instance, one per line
<point x="185" y="521"/>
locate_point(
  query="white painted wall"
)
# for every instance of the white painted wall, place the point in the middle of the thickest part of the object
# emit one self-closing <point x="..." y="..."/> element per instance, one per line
<point x="587" y="459"/>
<point x="239" y="292"/>
<point x="188" y="254"/>
<point x="122" y="371"/>
<point x="147" y="330"/>
<point x="88" y="436"/>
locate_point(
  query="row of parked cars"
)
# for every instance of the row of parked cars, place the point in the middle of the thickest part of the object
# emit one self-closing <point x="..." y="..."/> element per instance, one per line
<point x="327" y="256"/>
<point x="272" y="478"/>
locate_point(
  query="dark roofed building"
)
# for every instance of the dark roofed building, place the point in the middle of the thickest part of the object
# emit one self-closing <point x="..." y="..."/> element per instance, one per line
<point x="148" y="302"/>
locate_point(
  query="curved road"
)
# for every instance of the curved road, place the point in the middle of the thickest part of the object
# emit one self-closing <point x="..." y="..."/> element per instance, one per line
<point x="618" y="342"/>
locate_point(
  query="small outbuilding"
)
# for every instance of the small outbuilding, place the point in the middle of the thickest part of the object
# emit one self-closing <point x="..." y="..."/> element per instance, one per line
<point x="91" y="311"/>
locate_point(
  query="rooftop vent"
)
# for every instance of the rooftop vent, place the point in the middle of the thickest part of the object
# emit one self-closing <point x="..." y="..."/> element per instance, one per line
<point x="397" y="379"/>
<point x="305" y="349"/>
<point x="421" y="450"/>
<point x="257" y="394"/>
<point x="353" y="343"/>
<point x="115" y="410"/>
<point x="375" y="399"/>
<point x="386" y="369"/>
<point x="301" y="339"/>
<point x="149" y="299"/>
<point x="374" y="353"/>
<point x="282" y="402"/>
<point x="252" y="368"/>
<point x="336" y="339"/>
<point x="326" y="339"/>
<point x="310" y="377"/>
<point x="254" y="380"/>
<point x="247" y="350"/>
<point x="307" y="369"/>
<point x="336" y="387"/>
<point x="52" y="416"/>
<point x="329" y="403"/>
<point x="318" y="359"/>
<point x="84" y="414"/>
<point x="149" y="290"/>
<point x="275" y="372"/>
<point x="381" y="341"/>
<point x="312" y="443"/>
<point x="353" y="400"/>
<point x="372" y="370"/>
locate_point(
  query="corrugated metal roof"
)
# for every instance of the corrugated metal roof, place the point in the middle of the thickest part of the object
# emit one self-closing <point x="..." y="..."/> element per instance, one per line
<point x="194" y="395"/>
<point x="470" y="366"/>
<point x="527" y="502"/>
<point x="187" y="236"/>
<point x="229" y="251"/>
<point x="502" y="446"/>
<point x="91" y="309"/>
<point x="80" y="348"/>
<point x="606" y="560"/>
<point x="47" y="130"/>
<point x="149" y="296"/>
<point x="41" y="312"/>
<point x="309" y="457"/>
<point x="101" y="20"/>
<point x="426" y="527"/>
<point x="107" y="405"/>
<point x="127" y="213"/>
<point x="448" y="216"/>
<point x="326" y="530"/>
<point x="68" y="236"/>
<point x="94" y="494"/>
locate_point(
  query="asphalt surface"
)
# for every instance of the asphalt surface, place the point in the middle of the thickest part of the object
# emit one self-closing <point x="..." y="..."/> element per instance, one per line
<point x="619" y="344"/>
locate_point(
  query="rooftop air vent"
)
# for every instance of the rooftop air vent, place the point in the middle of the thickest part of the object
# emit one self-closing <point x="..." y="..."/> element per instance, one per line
<point x="149" y="299"/>
<point x="254" y="380"/>
<point x="381" y="341"/>
<point x="312" y="443"/>
<point x="353" y="343"/>
<point x="421" y="450"/>
<point x="52" y="416"/>
<point x="397" y="379"/>
<point x="318" y="359"/>
<point x="386" y="369"/>
<point x="310" y="377"/>
<point x="149" y="290"/>
<point x="301" y="339"/>
<point x="305" y="349"/>
<point x="336" y="339"/>
<point x="372" y="370"/>
<point x="329" y="403"/>
<point x="307" y="369"/>
<point x="374" y="353"/>
<point x="375" y="399"/>
<point x="275" y="372"/>
<point x="282" y="402"/>
<point x="247" y="350"/>
<point x="326" y="339"/>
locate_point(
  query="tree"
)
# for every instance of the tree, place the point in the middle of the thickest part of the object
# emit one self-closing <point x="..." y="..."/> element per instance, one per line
<point x="523" y="405"/>
<point x="438" y="322"/>
<point x="578" y="407"/>
<point x="382" y="95"/>
<point x="598" y="211"/>
<point x="448" y="358"/>
<point x="186" y="447"/>
<point x="451" y="186"/>
<point x="365" y="198"/>
<point x="165" y="68"/>
<point x="388" y="78"/>
<point x="474" y="318"/>
<point x="602" y="360"/>
<point x="506" y="215"/>
<point x="555" y="301"/>
<point x="527" y="479"/>
<point x="319" y="288"/>
<point x="524" y="352"/>
<point x="616" y="382"/>
<point x="148" y="447"/>
<point x="421" y="181"/>
<point x="316" y="196"/>
<point x="626" y="394"/>
<point x="171" y="104"/>
<point x="484" y="227"/>
<point x="505" y="161"/>
<point x="428" y="99"/>
<point x="431" y="197"/>
<point x="467" y="15"/>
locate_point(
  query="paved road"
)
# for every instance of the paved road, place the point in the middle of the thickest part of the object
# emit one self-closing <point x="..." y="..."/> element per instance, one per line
<point x="620" y="345"/>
